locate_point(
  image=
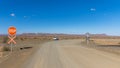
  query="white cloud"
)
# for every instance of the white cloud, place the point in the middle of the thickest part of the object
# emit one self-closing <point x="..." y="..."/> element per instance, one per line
<point x="12" y="14"/>
<point x="92" y="9"/>
<point x="25" y="16"/>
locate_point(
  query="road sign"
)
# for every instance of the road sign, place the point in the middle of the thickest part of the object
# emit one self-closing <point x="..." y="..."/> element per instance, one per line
<point x="12" y="35"/>
<point x="11" y="39"/>
<point x="87" y="38"/>
<point x="12" y="30"/>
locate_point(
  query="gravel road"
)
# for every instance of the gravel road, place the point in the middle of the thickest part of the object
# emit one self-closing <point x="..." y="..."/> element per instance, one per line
<point x="70" y="54"/>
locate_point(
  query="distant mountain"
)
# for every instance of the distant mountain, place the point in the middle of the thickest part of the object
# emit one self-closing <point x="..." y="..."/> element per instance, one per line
<point x="98" y="34"/>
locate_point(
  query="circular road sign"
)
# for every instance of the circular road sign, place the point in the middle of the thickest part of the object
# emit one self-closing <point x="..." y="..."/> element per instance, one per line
<point x="12" y="30"/>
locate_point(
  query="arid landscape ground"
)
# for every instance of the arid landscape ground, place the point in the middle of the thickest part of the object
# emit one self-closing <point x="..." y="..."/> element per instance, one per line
<point x="71" y="51"/>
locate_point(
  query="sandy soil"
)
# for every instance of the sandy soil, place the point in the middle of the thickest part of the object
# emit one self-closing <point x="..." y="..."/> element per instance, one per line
<point x="18" y="57"/>
<point x="70" y="54"/>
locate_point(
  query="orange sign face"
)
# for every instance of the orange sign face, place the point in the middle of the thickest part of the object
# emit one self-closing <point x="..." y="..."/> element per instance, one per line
<point x="12" y="30"/>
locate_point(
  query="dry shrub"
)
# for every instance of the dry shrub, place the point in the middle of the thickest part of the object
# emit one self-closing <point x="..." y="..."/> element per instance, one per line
<point x="22" y="39"/>
<point x="119" y="43"/>
<point x="5" y="39"/>
<point x="4" y="48"/>
<point x="35" y="38"/>
<point x="107" y="41"/>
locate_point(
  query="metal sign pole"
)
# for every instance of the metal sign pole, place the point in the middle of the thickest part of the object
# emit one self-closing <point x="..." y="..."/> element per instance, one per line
<point x="87" y="38"/>
<point x="11" y="47"/>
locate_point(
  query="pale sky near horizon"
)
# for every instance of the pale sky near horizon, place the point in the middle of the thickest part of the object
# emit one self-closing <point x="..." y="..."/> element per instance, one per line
<point x="61" y="16"/>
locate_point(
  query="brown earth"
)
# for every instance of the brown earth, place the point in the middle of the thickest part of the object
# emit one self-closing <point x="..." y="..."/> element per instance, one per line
<point x="63" y="54"/>
<point x="71" y="54"/>
<point x="21" y="52"/>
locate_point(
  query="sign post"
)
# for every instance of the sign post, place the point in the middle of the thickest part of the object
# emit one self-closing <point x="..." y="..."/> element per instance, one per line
<point x="87" y="38"/>
<point x="12" y="35"/>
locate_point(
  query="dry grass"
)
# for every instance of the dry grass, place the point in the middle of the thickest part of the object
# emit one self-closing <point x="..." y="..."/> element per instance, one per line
<point x="107" y="45"/>
<point x="107" y="41"/>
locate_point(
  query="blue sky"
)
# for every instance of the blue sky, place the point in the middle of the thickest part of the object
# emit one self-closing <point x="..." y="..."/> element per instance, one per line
<point x="61" y="16"/>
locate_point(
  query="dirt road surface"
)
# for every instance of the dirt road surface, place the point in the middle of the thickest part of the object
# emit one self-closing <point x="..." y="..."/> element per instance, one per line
<point x="71" y="54"/>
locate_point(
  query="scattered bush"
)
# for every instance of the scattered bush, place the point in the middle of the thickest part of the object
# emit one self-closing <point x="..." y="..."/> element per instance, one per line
<point x="6" y="48"/>
<point x="22" y="39"/>
<point x="5" y="39"/>
<point x="119" y="43"/>
<point x="35" y="37"/>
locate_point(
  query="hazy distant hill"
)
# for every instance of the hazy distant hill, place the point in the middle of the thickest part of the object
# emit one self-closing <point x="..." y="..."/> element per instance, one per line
<point x="62" y="36"/>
